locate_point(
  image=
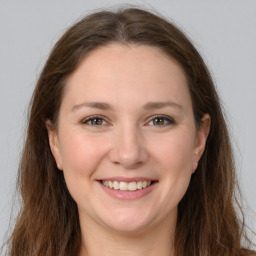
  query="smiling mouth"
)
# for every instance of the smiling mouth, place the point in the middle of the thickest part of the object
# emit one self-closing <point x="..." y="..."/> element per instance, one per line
<point x="127" y="186"/>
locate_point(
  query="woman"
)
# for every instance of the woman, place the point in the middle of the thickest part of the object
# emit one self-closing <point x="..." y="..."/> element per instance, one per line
<point x="127" y="150"/>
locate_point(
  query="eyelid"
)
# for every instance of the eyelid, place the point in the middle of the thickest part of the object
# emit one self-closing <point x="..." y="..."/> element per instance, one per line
<point x="170" y="120"/>
<point x="89" y="118"/>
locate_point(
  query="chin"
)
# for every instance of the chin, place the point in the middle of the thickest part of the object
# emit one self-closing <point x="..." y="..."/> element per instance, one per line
<point x="129" y="221"/>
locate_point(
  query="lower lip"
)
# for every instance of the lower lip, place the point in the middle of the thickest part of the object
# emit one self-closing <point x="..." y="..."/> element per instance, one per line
<point x="128" y="195"/>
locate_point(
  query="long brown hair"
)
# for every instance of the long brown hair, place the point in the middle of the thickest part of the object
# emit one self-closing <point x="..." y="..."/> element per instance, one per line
<point x="48" y="224"/>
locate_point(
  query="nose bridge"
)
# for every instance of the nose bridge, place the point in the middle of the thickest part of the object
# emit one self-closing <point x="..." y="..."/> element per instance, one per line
<point x="128" y="147"/>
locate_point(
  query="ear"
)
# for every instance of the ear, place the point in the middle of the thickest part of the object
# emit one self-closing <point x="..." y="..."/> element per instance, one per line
<point x="54" y="144"/>
<point x="201" y="138"/>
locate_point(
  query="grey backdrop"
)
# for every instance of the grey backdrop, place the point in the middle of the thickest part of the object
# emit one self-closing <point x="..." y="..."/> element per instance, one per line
<point x="223" y="31"/>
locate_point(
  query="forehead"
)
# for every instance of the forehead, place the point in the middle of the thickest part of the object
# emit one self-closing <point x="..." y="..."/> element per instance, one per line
<point x="127" y="72"/>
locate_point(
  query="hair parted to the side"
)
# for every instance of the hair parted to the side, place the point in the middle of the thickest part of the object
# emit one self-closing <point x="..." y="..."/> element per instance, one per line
<point x="48" y="223"/>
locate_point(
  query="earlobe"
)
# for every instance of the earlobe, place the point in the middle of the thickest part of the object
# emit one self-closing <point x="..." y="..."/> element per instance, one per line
<point x="202" y="135"/>
<point x="54" y="144"/>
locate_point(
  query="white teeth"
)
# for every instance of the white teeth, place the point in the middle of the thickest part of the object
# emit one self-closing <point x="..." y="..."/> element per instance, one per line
<point x="139" y="185"/>
<point x="124" y="186"/>
<point x="132" y="186"/>
<point x="116" y="185"/>
<point x="110" y="184"/>
<point x="144" y="184"/>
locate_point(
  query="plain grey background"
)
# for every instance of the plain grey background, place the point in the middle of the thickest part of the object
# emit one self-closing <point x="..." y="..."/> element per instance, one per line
<point x="224" y="32"/>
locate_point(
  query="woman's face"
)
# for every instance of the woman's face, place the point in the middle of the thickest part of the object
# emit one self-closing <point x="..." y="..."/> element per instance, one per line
<point x="126" y="138"/>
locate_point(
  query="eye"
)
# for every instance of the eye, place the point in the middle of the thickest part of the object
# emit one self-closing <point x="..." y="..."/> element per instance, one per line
<point x="94" y="121"/>
<point x="161" y="120"/>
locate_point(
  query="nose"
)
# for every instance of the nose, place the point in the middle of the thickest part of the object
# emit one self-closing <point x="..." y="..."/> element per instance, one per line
<point x="128" y="148"/>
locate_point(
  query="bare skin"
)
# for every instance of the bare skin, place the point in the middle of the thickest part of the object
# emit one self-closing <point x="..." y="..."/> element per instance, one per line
<point x="126" y="117"/>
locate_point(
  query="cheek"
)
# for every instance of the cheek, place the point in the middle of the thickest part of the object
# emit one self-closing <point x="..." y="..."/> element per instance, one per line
<point x="174" y="152"/>
<point x="174" y="160"/>
<point x="82" y="153"/>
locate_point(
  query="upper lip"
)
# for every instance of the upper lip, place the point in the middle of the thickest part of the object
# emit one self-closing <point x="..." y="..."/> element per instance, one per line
<point x="128" y="179"/>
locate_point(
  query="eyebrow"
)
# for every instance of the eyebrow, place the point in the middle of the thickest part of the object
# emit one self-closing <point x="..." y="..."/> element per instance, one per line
<point x="147" y="106"/>
<point x="97" y="105"/>
<point x="159" y="105"/>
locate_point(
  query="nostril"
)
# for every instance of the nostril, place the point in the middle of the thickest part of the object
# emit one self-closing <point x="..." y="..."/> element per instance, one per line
<point x="128" y="157"/>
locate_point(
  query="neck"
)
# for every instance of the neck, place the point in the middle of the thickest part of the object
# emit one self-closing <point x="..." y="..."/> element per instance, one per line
<point x="100" y="241"/>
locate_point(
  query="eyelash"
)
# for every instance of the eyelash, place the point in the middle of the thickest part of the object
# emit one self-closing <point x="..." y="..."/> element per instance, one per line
<point x="91" y="118"/>
<point x="167" y="120"/>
